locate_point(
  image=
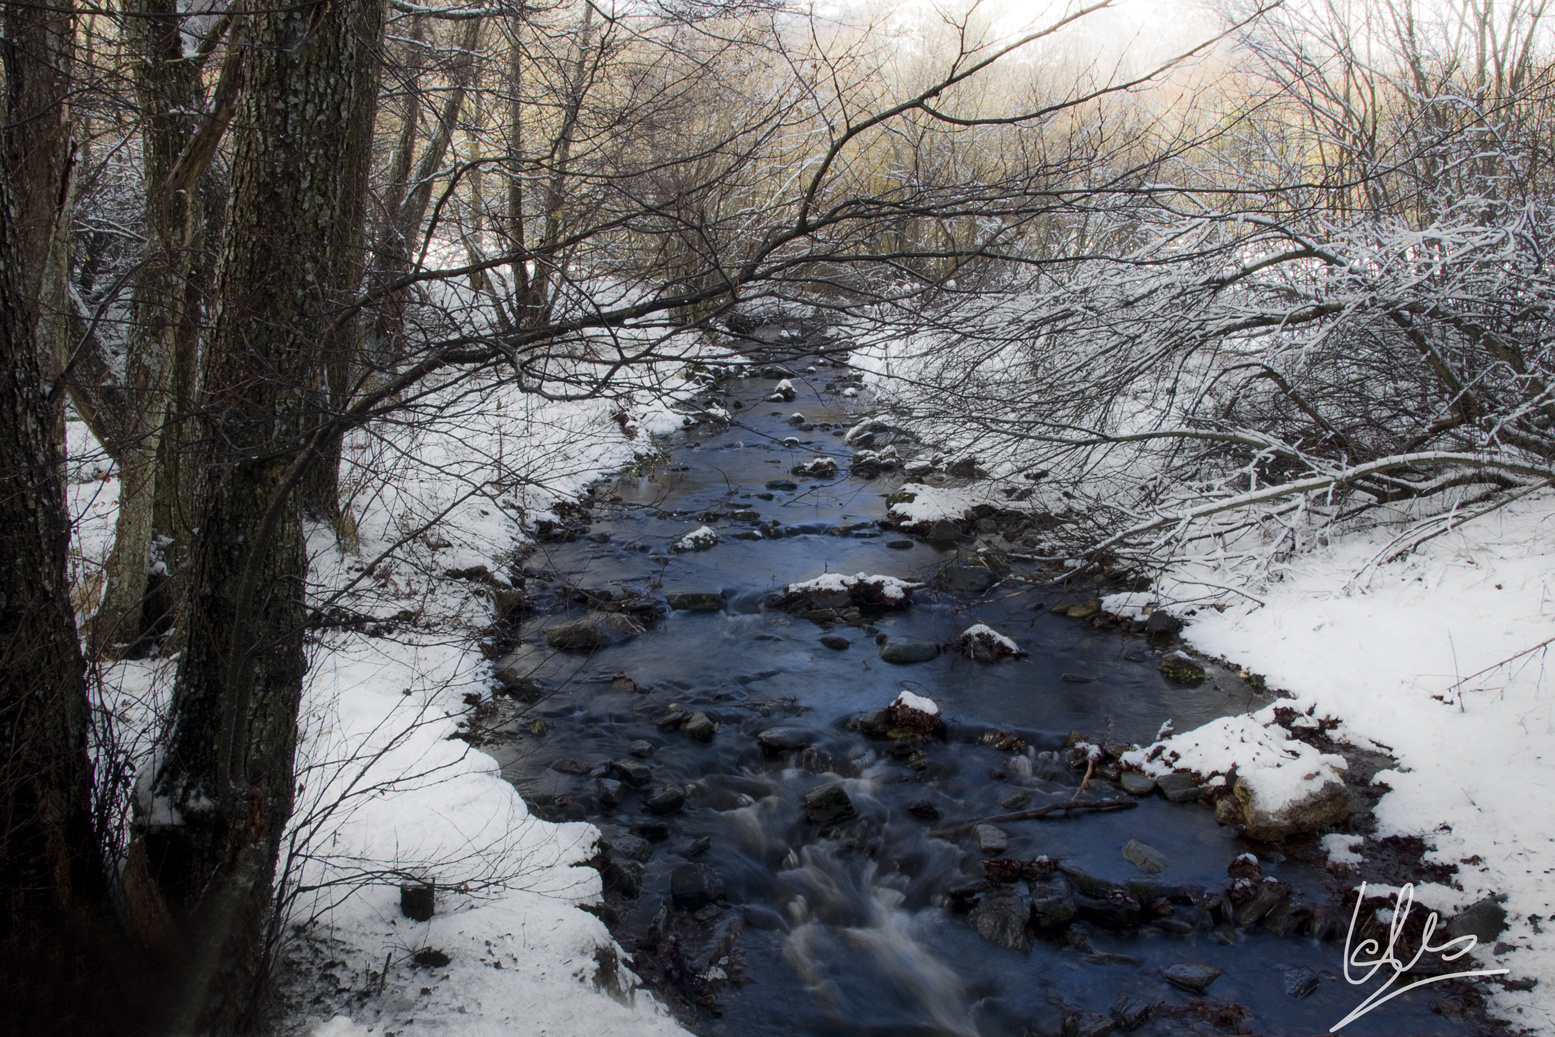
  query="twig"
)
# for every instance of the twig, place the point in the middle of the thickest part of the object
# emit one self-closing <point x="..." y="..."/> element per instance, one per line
<point x="1098" y="805"/>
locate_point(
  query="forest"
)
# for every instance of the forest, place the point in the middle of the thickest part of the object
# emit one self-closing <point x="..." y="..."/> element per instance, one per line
<point x="1214" y="287"/>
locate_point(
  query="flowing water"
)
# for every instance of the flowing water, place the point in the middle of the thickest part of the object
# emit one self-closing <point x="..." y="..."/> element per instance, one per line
<point x="853" y="928"/>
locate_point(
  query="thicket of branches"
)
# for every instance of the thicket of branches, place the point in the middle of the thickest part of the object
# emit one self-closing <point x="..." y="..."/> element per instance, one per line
<point x="1334" y="296"/>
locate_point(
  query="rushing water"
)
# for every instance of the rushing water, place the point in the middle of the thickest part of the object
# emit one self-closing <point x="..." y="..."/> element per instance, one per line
<point x="850" y="929"/>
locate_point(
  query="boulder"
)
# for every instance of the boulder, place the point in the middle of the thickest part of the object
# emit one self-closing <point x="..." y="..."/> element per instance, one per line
<point x="1002" y="916"/>
<point x="595" y="630"/>
<point x="1193" y="976"/>
<point x="828" y="804"/>
<point x="567" y="765"/>
<point x="905" y="650"/>
<point x="835" y="643"/>
<point x="699" y="539"/>
<point x="610" y="791"/>
<point x="1299" y="982"/>
<point x="641" y="748"/>
<point x="665" y="800"/>
<point x="696" y="601"/>
<point x="1181" y="668"/>
<point x="635" y="774"/>
<point x="1321" y="808"/>
<point x="986" y="645"/>
<point x="1052" y="902"/>
<point x="1137" y="784"/>
<point x="785" y="739"/>
<point x="783" y="485"/>
<point x="1146" y="858"/>
<point x="699" y="726"/>
<point x="1484" y="920"/>
<point x="991" y="839"/>
<point x="690" y="886"/>
<point x="816" y="468"/>
<point x="624" y="876"/>
<point x="1129" y="1013"/>
<point x="1179" y="786"/>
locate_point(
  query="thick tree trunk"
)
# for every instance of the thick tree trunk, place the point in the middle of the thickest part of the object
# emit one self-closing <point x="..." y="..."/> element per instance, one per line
<point x="224" y="791"/>
<point x="40" y="43"/>
<point x="60" y="963"/>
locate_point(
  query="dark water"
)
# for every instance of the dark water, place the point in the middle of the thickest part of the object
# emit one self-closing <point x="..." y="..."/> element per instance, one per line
<point x="850" y="930"/>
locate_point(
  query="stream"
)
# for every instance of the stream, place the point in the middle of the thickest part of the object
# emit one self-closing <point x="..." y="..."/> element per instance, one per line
<point x="749" y="915"/>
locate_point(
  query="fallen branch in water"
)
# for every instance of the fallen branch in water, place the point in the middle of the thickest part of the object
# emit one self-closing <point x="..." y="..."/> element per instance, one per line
<point x="1098" y="805"/>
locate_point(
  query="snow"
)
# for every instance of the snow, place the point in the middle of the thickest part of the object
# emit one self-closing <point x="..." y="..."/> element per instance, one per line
<point x="1342" y="848"/>
<point x="917" y="702"/>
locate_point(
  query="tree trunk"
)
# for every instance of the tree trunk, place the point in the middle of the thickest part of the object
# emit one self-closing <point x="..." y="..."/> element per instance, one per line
<point x="224" y="790"/>
<point x="169" y="90"/>
<point x="62" y="969"/>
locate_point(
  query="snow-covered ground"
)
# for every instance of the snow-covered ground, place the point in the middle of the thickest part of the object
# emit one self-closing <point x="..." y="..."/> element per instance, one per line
<point x="388" y="795"/>
<point x="1439" y="658"/>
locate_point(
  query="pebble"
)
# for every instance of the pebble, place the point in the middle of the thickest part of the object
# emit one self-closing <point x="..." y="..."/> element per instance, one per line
<point x="834" y="642"/>
<point x="899" y="545"/>
<point x="571" y="766"/>
<point x="786" y="485"/>
<point x="924" y="810"/>
<point x="641" y="748"/>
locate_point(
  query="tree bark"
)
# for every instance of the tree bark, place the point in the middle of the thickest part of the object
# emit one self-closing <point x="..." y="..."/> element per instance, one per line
<point x="225" y="787"/>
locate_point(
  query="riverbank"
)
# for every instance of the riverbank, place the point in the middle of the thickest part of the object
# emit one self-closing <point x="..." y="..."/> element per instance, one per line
<point x="388" y="794"/>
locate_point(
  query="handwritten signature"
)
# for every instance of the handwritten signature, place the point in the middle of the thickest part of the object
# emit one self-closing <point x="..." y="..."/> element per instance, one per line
<point x="1403" y="903"/>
